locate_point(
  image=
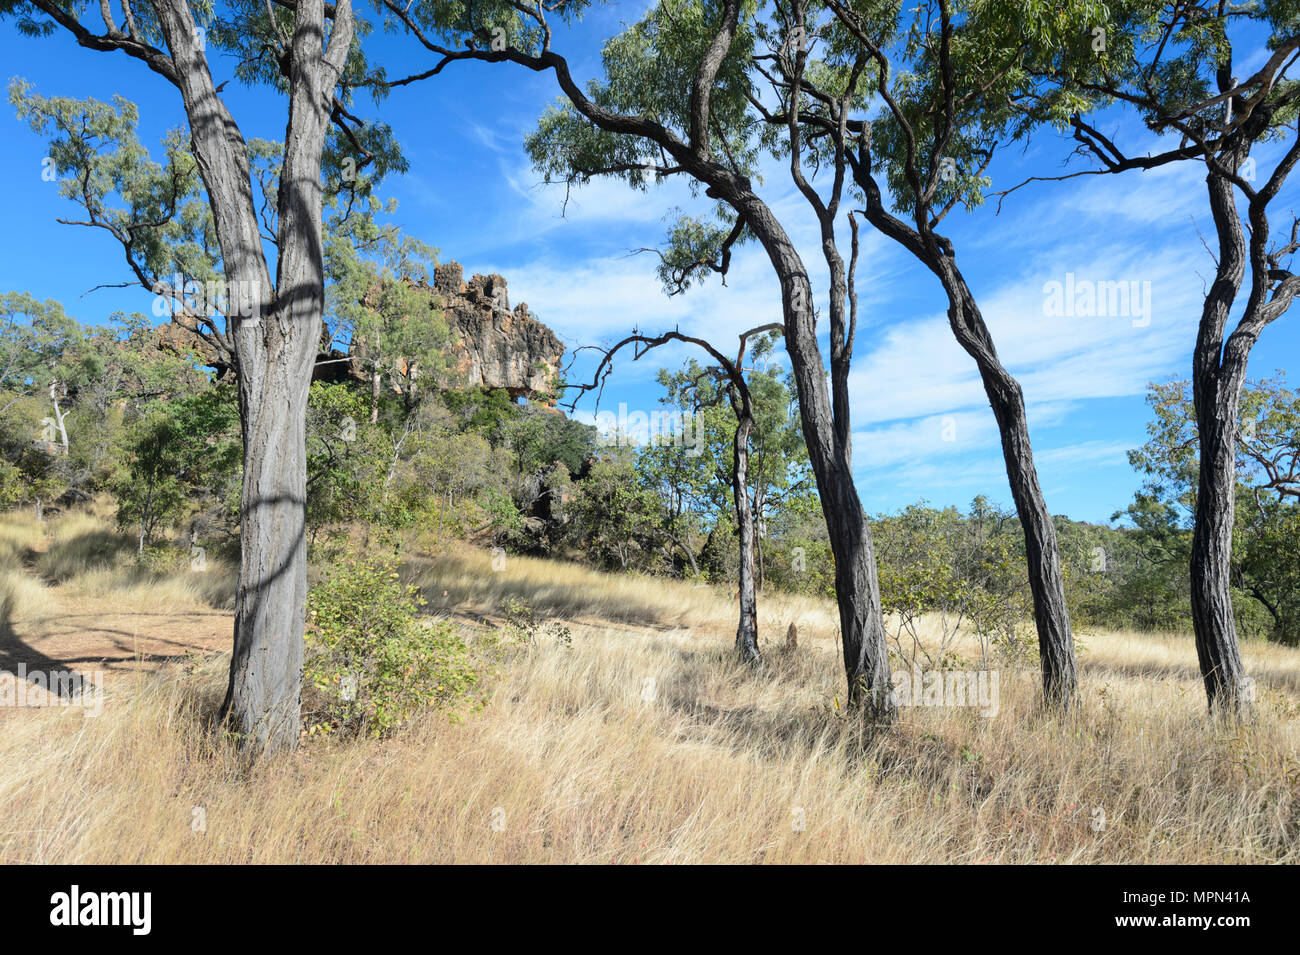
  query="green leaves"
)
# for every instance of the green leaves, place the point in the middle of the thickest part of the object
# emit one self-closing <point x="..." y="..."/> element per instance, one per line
<point x="650" y="67"/>
<point x="966" y="570"/>
<point x="695" y="477"/>
<point x="649" y="71"/>
<point x="156" y="210"/>
<point x="1266" y="563"/>
<point x="696" y="247"/>
<point x="179" y="451"/>
<point x="372" y="664"/>
<point x="617" y="519"/>
<point x="38" y="343"/>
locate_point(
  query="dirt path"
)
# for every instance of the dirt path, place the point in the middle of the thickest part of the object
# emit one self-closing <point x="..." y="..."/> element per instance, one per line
<point x="60" y="628"/>
<point x="79" y="632"/>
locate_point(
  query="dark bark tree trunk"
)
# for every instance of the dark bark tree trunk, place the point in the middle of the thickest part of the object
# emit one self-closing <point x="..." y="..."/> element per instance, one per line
<point x="866" y="655"/>
<point x="1220" y="131"/>
<point x="1051" y="617"/>
<point x="1042" y="556"/>
<point x="1056" y="644"/>
<point x="689" y="554"/>
<point x="1217" y="377"/>
<point x="857" y="591"/>
<point x="1217" y="645"/>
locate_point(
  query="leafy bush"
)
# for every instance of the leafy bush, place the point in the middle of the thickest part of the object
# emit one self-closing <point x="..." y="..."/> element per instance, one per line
<point x="372" y="663"/>
<point x="962" y="572"/>
<point x="178" y="452"/>
<point x="346" y="458"/>
<point x="523" y="627"/>
<point x="503" y="516"/>
<point x="617" y="520"/>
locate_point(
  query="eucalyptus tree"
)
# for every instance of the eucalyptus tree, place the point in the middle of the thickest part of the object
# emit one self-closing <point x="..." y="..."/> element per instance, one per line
<point x="700" y="471"/>
<point x="43" y="351"/>
<point x="947" y="74"/>
<point x="38" y="345"/>
<point x="269" y="336"/>
<point x="675" y="100"/>
<point x="383" y="311"/>
<point x="1174" y="66"/>
<point x="687" y="472"/>
<point x="706" y="386"/>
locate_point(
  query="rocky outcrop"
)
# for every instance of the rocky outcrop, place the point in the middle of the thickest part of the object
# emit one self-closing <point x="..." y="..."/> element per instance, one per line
<point x="178" y="339"/>
<point x="496" y="346"/>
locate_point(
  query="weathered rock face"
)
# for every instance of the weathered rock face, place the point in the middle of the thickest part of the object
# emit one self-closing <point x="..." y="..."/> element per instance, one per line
<point x="496" y="347"/>
<point x="179" y="339"/>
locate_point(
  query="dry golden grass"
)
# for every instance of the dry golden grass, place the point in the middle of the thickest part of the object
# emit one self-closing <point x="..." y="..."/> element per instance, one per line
<point x="129" y="586"/>
<point x="20" y="533"/>
<point x="578" y="758"/>
<point x="464" y="581"/>
<point x="88" y="554"/>
<point x="20" y="536"/>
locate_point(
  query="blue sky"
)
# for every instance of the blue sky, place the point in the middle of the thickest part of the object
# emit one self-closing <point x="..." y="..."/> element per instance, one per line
<point x="922" y="427"/>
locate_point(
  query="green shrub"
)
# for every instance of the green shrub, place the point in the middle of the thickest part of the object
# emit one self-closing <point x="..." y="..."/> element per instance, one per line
<point x="372" y="662"/>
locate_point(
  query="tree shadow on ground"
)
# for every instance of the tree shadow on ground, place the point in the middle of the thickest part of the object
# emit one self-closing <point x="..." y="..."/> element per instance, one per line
<point x="43" y="669"/>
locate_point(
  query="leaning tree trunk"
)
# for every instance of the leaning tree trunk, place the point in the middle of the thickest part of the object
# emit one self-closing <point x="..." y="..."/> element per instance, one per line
<point x="1051" y="617"/>
<point x="1042" y="556"/>
<point x="866" y="654"/>
<point x="1215" y="626"/>
<point x="857" y="591"/>
<point x="747" y="629"/>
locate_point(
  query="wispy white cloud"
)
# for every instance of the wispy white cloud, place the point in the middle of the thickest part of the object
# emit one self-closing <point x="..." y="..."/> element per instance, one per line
<point x="603" y="299"/>
<point x="597" y="203"/>
<point x="489" y="136"/>
<point x="1090" y="453"/>
<point x="915" y="367"/>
